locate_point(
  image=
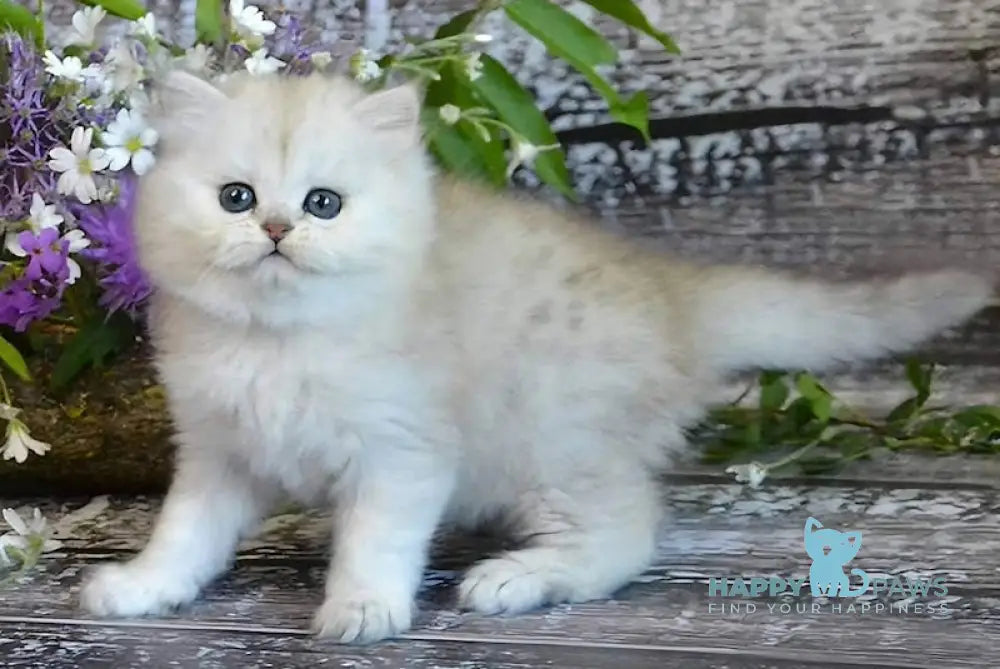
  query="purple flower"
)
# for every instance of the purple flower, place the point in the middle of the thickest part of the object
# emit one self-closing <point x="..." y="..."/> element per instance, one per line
<point x="290" y="43"/>
<point x="47" y="254"/>
<point x="32" y="125"/>
<point x="109" y="228"/>
<point x="23" y="300"/>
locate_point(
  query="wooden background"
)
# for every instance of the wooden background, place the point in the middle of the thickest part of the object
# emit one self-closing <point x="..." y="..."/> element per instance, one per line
<point x="824" y="134"/>
<point x="828" y="136"/>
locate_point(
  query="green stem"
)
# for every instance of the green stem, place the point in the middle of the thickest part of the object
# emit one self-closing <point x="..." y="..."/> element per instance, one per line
<point x="486" y="120"/>
<point x="77" y="310"/>
<point x="860" y="421"/>
<point x="430" y="74"/>
<point x="41" y="23"/>
<point x="13" y="576"/>
<point x="6" y="393"/>
<point x="428" y="60"/>
<point x="792" y="457"/>
<point x="743" y="395"/>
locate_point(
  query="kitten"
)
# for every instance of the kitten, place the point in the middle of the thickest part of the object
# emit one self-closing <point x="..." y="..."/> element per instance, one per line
<point x="826" y="574"/>
<point x="336" y="322"/>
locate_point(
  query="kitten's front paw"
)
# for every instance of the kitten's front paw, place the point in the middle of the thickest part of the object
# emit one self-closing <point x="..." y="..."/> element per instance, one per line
<point x="127" y="590"/>
<point x="502" y="585"/>
<point x="362" y="617"/>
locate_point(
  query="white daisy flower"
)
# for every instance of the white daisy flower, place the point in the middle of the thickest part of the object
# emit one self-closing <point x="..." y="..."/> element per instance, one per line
<point x="752" y="474"/>
<point x="43" y="215"/>
<point x="525" y="154"/>
<point x="25" y="533"/>
<point x="483" y="38"/>
<point x="249" y="21"/>
<point x="78" y="164"/>
<point x="197" y="58"/>
<point x="473" y="66"/>
<point x="321" y="59"/>
<point x="145" y="26"/>
<point x="364" y="67"/>
<point x="128" y="140"/>
<point x="261" y="63"/>
<point x="450" y="114"/>
<point x="40" y="216"/>
<point x="77" y="242"/>
<point x="70" y="67"/>
<point x="19" y="442"/>
<point x="85" y="25"/>
<point x="125" y="72"/>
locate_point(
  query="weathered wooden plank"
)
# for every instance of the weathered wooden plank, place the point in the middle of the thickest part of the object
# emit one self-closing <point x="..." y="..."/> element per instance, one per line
<point x="715" y="531"/>
<point x="764" y="53"/>
<point x="719" y="511"/>
<point x="944" y="204"/>
<point x="266" y="600"/>
<point x="58" y="646"/>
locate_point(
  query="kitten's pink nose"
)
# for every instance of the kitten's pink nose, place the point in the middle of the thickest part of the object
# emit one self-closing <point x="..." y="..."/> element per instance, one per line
<point x="276" y="230"/>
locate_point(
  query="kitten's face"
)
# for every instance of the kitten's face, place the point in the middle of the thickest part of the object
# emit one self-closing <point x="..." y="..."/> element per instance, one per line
<point x="828" y="545"/>
<point x="280" y="193"/>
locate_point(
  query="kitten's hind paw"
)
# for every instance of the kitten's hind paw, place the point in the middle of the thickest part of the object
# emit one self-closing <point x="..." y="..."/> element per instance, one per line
<point x="361" y="619"/>
<point x="127" y="590"/>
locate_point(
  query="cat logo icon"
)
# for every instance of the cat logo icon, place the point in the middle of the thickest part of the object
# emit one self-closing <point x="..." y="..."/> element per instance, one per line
<point x="830" y="550"/>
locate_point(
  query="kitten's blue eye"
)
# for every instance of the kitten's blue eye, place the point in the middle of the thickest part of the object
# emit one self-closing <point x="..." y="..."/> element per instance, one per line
<point x="322" y="203"/>
<point x="237" y="198"/>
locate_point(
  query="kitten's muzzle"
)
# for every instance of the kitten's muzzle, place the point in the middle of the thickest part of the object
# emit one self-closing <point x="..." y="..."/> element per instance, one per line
<point x="276" y="230"/>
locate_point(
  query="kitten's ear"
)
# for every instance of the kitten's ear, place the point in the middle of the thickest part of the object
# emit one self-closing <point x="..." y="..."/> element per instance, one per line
<point x="812" y="525"/>
<point x="394" y="112"/>
<point x="183" y="97"/>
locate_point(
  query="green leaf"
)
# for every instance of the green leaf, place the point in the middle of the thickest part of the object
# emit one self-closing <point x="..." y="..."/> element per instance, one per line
<point x="773" y="391"/>
<point x="820" y="400"/>
<point x="91" y="345"/>
<point x="628" y="13"/>
<point x="77" y="50"/>
<point x="800" y="413"/>
<point x="458" y="24"/>
<point x="562" y="32"/>
<point x="516" y="107"/>
<point x="20" y="20"/>
<point x="752" y="434"/>
<point x="460" y="148"/>
<point x="569" y="38"/>
<point x="126" y="9"/>
<point x="904" y="411"/>
<point x="13" y="359"/>
<point x="979" y="416"/>
<point x="854" y="444"/>
<point x="634" y="112"/>
<point x="208" y="21"/>
<point x="920" y="378"/>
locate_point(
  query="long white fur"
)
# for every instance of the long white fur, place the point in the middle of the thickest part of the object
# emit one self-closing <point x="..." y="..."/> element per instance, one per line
<point x="436" y="353"/>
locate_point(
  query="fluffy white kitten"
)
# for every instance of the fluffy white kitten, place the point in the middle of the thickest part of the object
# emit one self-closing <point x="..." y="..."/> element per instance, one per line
<point x="336" y="322"/>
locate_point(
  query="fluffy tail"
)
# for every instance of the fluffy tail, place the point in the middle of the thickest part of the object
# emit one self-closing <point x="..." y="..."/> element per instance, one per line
<point x="750" y="318"/>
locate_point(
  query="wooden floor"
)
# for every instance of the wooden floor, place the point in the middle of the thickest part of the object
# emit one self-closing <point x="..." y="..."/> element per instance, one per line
<point x="919" y="518"/>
